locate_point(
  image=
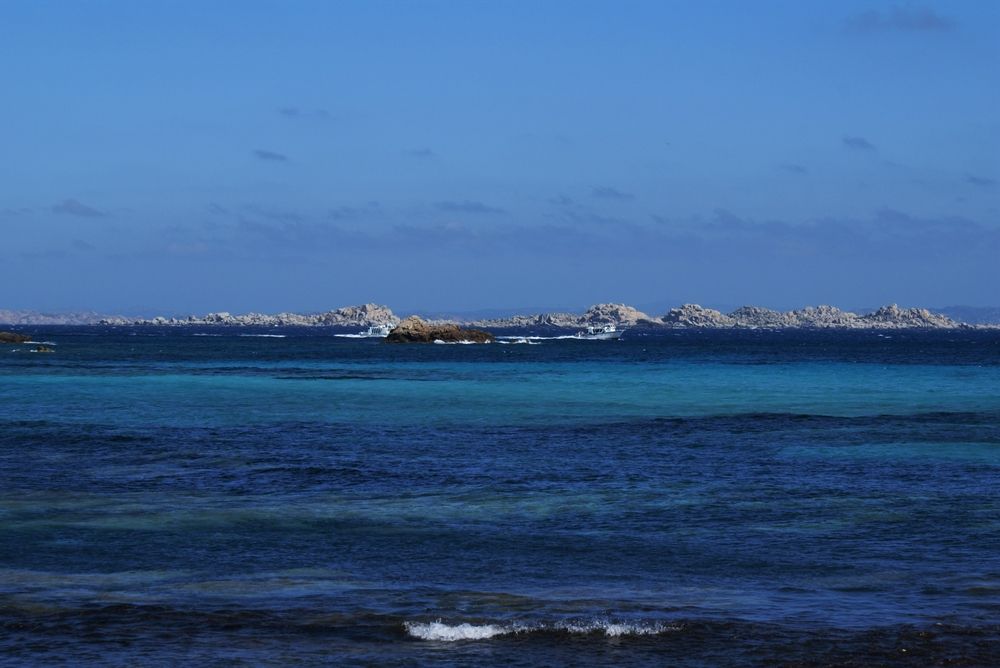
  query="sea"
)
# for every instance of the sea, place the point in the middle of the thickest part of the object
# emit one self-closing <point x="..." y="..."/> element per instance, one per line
<point x="273" y="497"/>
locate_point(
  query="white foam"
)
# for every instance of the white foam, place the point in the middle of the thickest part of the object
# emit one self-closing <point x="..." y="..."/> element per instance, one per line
<point x="266" y="336"/>
<point x="453" y="343"/>
<point x="617" y="629"/>
<point x="352" y="336"/>
<point x="451" y="632"/>
<point x="543" y="338"/>
<point x="41" y="343"/>
<point x="441" y="632"/>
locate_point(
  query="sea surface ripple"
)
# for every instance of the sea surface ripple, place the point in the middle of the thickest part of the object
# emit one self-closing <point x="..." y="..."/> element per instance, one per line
<point x="691" y="498"/>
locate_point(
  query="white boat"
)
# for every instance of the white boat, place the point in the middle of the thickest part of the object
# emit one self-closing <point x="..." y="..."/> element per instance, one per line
<point x="600" y="333"/>
<point x="376" y="332"/>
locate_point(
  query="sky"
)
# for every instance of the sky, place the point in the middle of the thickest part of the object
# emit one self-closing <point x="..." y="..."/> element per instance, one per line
<point x="184" y="157"/>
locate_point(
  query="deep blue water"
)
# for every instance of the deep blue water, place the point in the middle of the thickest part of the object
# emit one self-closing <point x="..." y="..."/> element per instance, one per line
<point x="696" y="498"/>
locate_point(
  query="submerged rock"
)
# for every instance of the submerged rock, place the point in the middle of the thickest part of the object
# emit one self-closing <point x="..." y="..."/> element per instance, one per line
<point x="415" y="330"/>
<point x="13" y="337"/>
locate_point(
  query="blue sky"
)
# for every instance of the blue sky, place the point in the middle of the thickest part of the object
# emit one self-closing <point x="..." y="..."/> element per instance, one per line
<point x="190" y="156"/>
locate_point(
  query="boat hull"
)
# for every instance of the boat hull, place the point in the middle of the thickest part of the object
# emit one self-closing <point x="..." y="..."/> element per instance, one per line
<point x="600" y="336"/>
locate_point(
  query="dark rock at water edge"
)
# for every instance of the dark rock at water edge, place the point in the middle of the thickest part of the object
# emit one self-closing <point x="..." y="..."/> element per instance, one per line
<point x="13" y="337"/>
<point x="415" y="330"/>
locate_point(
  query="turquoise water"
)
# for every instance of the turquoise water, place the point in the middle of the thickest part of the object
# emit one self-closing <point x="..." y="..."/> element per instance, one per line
<point x="702" y="498"/>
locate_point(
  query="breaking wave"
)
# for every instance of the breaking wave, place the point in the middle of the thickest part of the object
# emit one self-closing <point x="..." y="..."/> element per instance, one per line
<point x="442" y="632"/>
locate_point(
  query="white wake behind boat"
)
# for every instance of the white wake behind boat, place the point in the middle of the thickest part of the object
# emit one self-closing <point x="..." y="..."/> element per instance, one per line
<point x="600" y="333"/>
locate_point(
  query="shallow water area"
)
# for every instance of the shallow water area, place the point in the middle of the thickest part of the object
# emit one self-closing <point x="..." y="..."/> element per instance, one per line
<point x="693" y="498"/>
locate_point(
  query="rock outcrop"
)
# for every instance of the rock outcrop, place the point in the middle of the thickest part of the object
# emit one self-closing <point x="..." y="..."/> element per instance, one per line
<point x="686" y="316"/>
<point x="618" y="314"/>
<point x="823" y="317"/>
<point x="365" y="315"/>
<point x="758" y="317"/>
<point x="13" y="337"/>
<point x="894" y="317"/>
<point x="598" y="314"/>
<point x="415" y="330"/>
<point x="694" y="315"/>
<point x="812" y="317"/>
<point x="529" y="321"/>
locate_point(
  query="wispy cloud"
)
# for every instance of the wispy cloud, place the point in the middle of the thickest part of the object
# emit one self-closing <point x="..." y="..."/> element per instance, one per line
<point x="579" y="215"/>
<point x="372" y="208"/>
<point x="272" y="156"/>
<point x="11" y="212"/>
<point x="562" y="200"/>
<point x="858" y="144"/>
<point x="81" y="245"/>
<point x="270" y="213"/>
<point x="419" y="153"/>
<point x="899" y="19"/>
<point x="887" y="233"/>
<point x="980" y="181"/>
<point x="74" y="207"/>
<point x="607" y="192"/>
<point x="467" y="206"/>
<point x="793" y="168"/>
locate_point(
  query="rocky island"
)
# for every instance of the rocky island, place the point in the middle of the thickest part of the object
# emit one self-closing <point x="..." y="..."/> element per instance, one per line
<point x="812" y="317"/>
<point x="13" y="337"/>
<point x="365" y="315"/>
<point x="694" y="316"/>
<point x="687" y="316"/>
<point x="599" y="314"/>
<point x="416" y="330"/>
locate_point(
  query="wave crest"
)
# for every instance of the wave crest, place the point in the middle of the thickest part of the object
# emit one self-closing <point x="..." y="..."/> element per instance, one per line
<point x="442" y="632"/>
<point x="451" y="632"/>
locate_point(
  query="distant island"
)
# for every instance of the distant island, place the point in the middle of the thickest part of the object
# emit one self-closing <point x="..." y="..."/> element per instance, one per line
<point x="687" y="316"/>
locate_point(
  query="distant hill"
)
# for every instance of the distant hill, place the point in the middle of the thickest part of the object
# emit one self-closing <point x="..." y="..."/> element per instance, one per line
<point x="36" y="318"/>
<point x="974" y="315"/>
